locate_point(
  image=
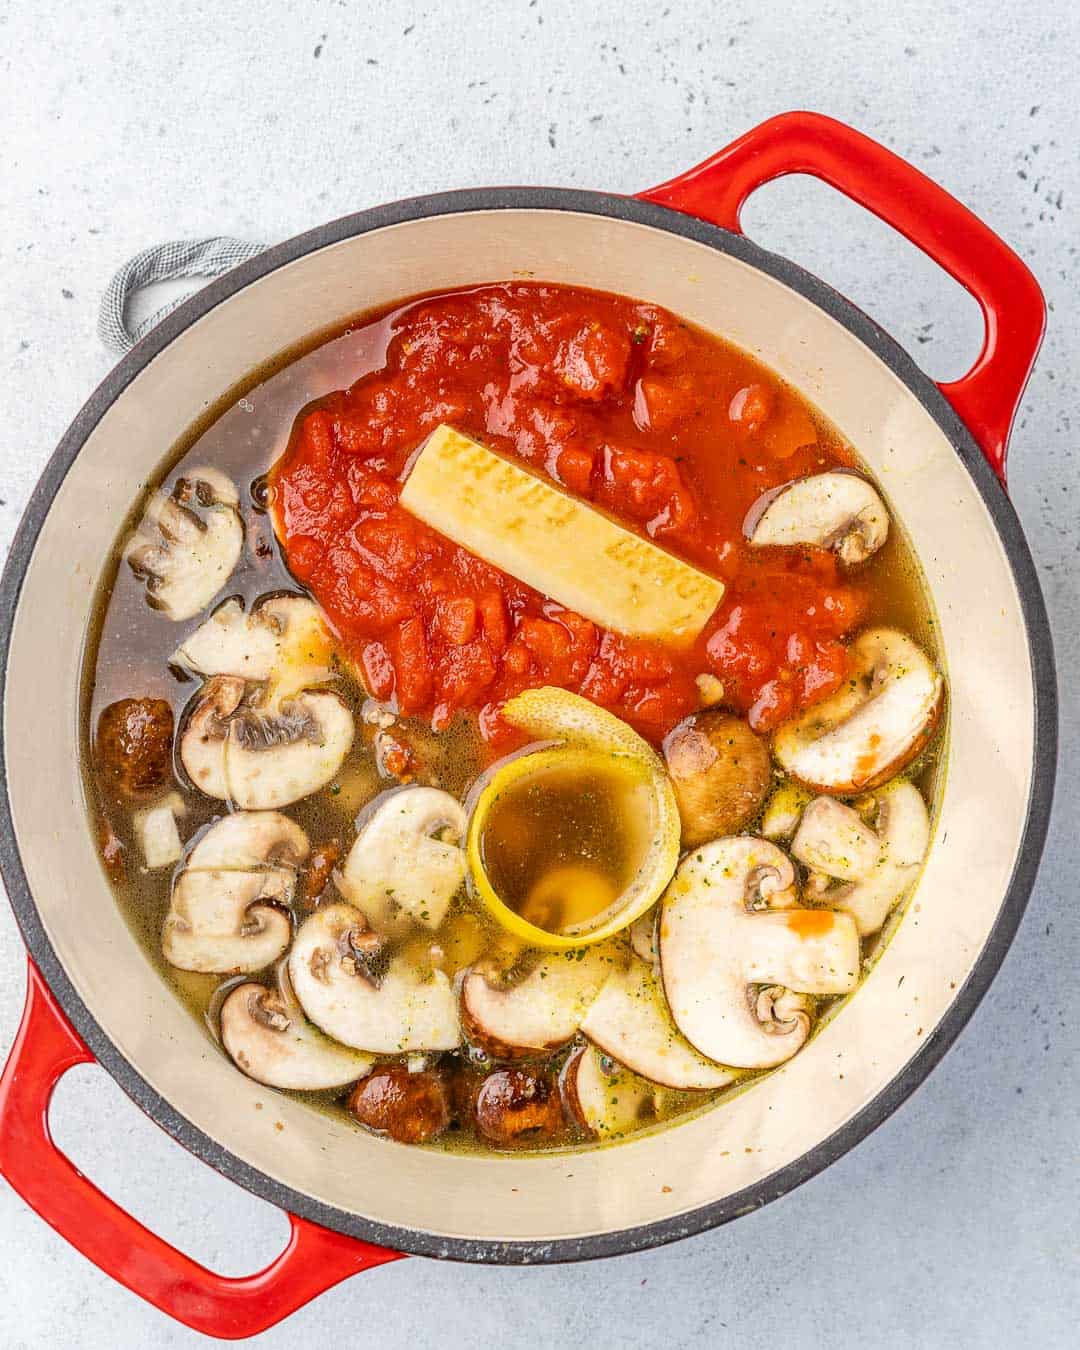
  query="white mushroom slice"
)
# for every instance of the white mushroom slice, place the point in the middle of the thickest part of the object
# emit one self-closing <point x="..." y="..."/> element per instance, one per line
<point x="284" y="639"/>
<point x="630" y="1022"/>
<point x="202" y="740"/>
<point x="397" y="1013"/>
<point x="157" y="831"/>
<point x="250" y="840"/>
<point x="228" y="923"/>
<point x="833" y="838"/>
<point x="643" y="936"/>
<point x="728" y="923"/>
<point x="608" y="1101"/>
<point x="273" y="1043"/>
<point x="261" y="760"/>
<point x="407" y="861"/>
<point x="188" y="543"/>
<point x="903" y="836"/>
<point x="837" y="510"/>
<point x="541" y="1011"/>
<point x="272" y="759"/>
<point x="783" y="811"/>
<point x="873" y="726"/>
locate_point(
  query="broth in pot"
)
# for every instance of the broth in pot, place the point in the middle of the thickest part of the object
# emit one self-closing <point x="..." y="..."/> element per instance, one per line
<point x="514" y="722"/>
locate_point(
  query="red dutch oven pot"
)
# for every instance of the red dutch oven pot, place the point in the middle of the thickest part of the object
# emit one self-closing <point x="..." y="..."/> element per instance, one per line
<point x="921" y="441"/>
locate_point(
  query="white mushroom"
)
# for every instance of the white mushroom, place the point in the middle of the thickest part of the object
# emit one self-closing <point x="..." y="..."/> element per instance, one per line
<point x="274" y="758"/>
<point x="188" y="542"/>
<point x="271" y="1041"/>
<point x="837" y="510"/>
<point x="284" y="640"/>
<point x="727" y="924"/>
<point x="260" y="759"/>
<point x="250" y="840"/>
<point x="630" y="1021"/>
<point x="228" y="923"/>
<point x="333" y="967"/>
<point x="228" y="912"/>
<point x="834" y="839"/>
<point x="541" y="1011"/>
<point x="604" y="1098"/>
<point x="877" y="877"/>
<point x="783" y="811"/>
<point x="875" y="724"/>
<point x="407" y="861"/>
<point x="157" y="831"/>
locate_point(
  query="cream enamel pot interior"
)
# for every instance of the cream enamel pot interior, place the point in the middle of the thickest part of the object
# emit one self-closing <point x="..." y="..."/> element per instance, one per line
<point x="731" y="1159"/>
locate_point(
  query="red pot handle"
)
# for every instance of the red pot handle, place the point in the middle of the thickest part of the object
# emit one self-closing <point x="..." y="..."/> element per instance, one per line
<point x="986" y="398"/>
<point x="314" y="1259"/>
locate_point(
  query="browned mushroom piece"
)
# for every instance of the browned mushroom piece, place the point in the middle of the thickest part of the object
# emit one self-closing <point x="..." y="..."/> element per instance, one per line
<point x="134" y="745"/>
<point x="516" y="1106"/>
<point x="409" y="1107"/>
<point x="721" y="773"/>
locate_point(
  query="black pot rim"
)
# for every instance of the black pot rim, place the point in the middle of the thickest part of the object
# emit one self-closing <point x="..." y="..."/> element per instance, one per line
<point x="1038" y="808"/>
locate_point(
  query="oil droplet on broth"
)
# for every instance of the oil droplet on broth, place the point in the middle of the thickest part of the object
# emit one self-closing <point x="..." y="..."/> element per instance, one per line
<point x="560" y="846"/>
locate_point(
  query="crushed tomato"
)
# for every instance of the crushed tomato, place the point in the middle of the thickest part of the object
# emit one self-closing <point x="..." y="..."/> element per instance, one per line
<point x="670" y="430"/>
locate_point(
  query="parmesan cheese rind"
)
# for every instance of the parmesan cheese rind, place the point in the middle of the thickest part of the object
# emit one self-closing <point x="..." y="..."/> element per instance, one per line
<point x="561" y="547"/>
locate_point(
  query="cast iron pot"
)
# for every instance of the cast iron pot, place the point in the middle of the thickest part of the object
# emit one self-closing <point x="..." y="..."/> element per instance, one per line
<point x="939" y="452"/>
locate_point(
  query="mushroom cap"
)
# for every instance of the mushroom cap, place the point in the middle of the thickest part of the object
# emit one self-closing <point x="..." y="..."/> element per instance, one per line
<point x="630" y="1021"/>
<point x="271" y="1041"/>
<point x="188" y="543"/>
<point x="609" y="1103"/>
<point x="541" y="1011"/>
<point x="878" y="722"/>
<point x="838" y="510"/>
<point x="721" y="772"/>
<point x="202" y="738"/>
<point x="398" y="873"/>
<point x="228" y="923"/>
<point x="403" y="1011"/>
<point x="713" y="947"/>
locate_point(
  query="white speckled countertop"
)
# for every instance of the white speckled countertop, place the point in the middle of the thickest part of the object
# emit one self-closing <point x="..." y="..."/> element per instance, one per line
<point x="956" y="1223"/>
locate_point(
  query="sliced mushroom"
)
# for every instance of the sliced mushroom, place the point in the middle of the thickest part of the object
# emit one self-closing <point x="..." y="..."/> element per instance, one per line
<point x="228" y="923"/>
<point x="541" y="1011"/>
<point x="407" y="862"/>
<point x="630" y="1021"/>
<point x="834" y="839"/>
<point x="228" y="908"/>
<point x="867" y="731"/>
<point x="250" y="840"/>
<point x="340" y="992"/>
<point x="263" y="759"/>
<point x="643" y="936"/>
<point x="728" y="923"/>
<point x="836" y="510"/>
<point x="720" y="771"/>
<point x="783" y="811"/>
<point x="272" y="1042"/>
<point x="284" y="639"/>
<point x="188" y="543"/>
<point x="885" y="869"/>
<point x="603" y="1098"/>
